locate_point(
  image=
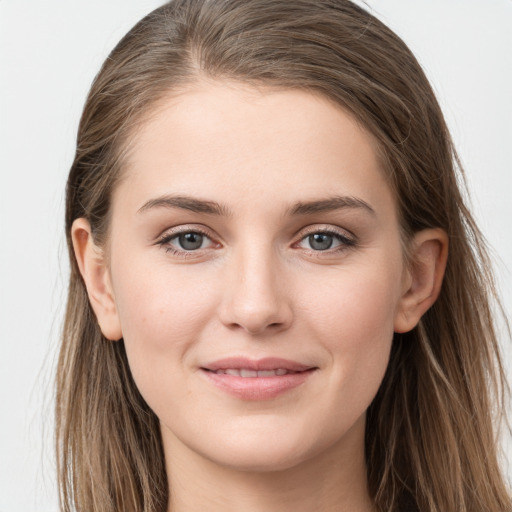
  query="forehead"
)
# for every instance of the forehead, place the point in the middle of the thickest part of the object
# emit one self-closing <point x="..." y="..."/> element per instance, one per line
<point x="238" y="143"/>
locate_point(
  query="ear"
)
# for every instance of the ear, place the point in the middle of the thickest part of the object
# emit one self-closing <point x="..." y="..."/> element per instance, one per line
<point x="96" y="275"/>
<point x="428" y="255"/>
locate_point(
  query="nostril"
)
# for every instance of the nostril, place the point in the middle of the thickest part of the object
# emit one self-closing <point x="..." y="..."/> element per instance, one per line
<point x="249" y="308"/>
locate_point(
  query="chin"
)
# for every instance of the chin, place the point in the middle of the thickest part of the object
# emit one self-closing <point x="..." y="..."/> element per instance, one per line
<point x="264" y="450"/>
<point x="259" y="460"/>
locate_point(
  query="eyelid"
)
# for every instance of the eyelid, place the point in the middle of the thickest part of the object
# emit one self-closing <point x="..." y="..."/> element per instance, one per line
<point x="171" y="232"/>
<point x="325" y="228"/>
<point x="163" y="240"/>
<point x="346" y="238"/>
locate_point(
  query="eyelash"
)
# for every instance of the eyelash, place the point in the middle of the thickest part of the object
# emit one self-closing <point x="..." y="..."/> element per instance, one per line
<point x="164" y="241"/>
<point x="345" y="242"/>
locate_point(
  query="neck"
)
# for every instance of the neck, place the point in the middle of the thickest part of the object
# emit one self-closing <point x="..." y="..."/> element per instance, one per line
<point x="333" y="481"/>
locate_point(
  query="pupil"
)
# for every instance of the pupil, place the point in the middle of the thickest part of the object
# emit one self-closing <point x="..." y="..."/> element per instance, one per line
<point x="320" y="241"/>
<point x="191" y="241"/>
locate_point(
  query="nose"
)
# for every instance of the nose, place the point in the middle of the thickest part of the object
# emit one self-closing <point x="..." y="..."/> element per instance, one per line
<point x="256" y="300"/>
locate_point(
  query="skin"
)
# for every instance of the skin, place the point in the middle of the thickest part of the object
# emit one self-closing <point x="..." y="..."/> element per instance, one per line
<point x="257" y="287"/>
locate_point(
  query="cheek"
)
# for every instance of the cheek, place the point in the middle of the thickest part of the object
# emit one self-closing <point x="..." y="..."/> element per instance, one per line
<point x="354" y="321"/>
<point x="162" y="313"/>
<point x="355" y="307"/>
<point x="162" y="317"/>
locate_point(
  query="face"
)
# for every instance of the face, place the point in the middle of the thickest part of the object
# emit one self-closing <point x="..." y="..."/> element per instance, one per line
<point x="257" y="273"/>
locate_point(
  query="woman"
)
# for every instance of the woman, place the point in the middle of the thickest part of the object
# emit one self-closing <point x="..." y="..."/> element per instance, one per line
<point x="278" y="299"/>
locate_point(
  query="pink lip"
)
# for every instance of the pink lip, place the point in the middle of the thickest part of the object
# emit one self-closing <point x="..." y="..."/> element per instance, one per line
<point x="257" y="388"/>
<point x="268" y="363"/>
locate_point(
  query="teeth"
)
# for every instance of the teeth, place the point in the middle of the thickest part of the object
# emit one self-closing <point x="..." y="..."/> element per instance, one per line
<point x="248" y="373"/>
<point x="267" y="373"/>
<point x="252" y="373"/>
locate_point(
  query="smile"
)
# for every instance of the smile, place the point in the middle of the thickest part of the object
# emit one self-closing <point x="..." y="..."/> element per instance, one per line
<point x="254" y="380"/>
<point x="245" y="373"/>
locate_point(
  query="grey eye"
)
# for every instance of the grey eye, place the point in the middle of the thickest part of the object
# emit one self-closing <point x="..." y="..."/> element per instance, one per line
<point x="190" y="241"/>
<point x="320" y="241"/>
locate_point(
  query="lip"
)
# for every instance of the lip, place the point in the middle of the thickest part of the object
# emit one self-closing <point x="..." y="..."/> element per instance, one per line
<point x="257" y="388"/>
<point x="267" y="363"/>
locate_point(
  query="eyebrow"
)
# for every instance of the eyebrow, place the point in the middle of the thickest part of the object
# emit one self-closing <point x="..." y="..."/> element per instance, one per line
<point x="330" y="204"/>
<point x="186" y="203"/>
<point x="195" y="205"/>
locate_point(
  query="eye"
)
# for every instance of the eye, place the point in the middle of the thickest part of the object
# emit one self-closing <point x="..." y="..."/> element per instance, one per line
<point x="190" y="241"/>
<point x="185" y="242"/>
<point x="325" y="240"/>
<point x="320" y="241"/>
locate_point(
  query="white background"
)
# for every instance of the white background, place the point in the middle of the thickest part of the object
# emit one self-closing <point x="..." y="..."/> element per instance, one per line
<point x="49" y="54"/>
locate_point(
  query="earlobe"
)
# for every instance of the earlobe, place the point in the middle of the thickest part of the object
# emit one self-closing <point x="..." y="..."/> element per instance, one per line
<point x="429" y="253"/>
<point x="95" y="273"/>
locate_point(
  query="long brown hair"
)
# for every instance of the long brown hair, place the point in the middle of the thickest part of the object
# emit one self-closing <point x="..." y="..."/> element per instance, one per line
<point x="430" y="434"/>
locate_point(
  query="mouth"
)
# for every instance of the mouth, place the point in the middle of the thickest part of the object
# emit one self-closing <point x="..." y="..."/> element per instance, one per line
<point x="245" y="364"/>
<point x="247" y="373"/>
<point x="261" y="379"/>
